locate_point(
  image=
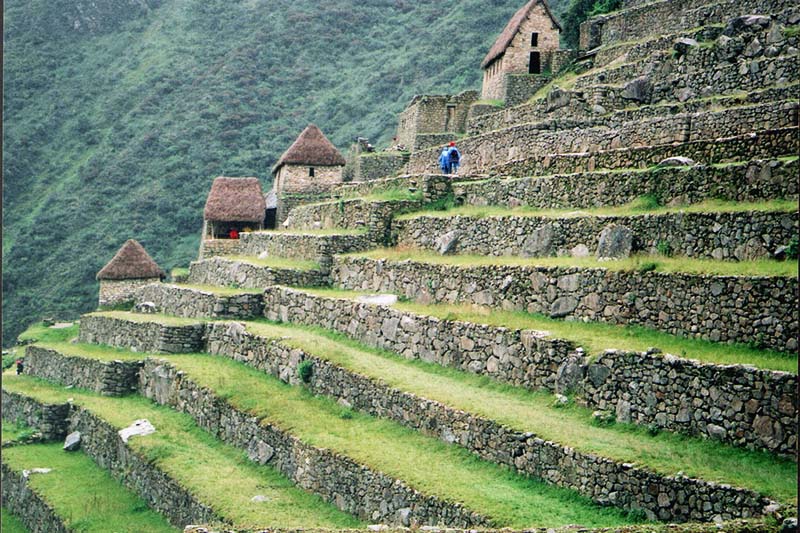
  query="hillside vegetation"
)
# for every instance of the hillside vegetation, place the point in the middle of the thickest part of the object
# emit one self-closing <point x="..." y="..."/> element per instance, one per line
<point x="118" y="114"/>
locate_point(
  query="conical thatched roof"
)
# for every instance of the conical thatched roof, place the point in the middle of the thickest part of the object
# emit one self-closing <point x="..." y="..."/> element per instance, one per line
<point x="235" y="200"/>
<point x="511" y="29"/>
<point x="131" y="262"/>
<point x="311" y="148"/>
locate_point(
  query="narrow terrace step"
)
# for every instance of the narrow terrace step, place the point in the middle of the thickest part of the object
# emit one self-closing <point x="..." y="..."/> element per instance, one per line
<point x="763" y="144"/>
<point x="516" y="348"/>
<point x="252" y="272"/>
<point x="745" y="181"/>
<point x="485" y="151"/>
<point x="717" y="231"/>
<point x="143" y="332"/>
<point x="358" y="376"/>
<point x="73" y="494"/>
<point x="741" y="309"/>
<point x="180" y="470"/>
<point x="305" y="244"/>
<point x="10" y="523"/>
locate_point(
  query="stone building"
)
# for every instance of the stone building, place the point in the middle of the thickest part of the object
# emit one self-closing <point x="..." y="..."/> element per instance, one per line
<point x="131" y="268"/>
<point x="528" y="46"/>
<point x="311" y="164"/>
<point x="429" y="120"/>
<point x="233" y="203"/>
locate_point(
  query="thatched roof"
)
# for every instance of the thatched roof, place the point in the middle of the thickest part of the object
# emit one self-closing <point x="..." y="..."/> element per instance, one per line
<point x="131" y="262"/>
<point x="511" y="29"/>
<point x="311" y="148"/>
<point x="235" y="200"/>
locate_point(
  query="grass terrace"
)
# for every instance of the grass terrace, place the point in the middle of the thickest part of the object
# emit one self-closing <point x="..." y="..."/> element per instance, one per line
<point x="641" y="263"/>
<point x="278" y="263"/>
<point x="193" y="458"/>
<point x="13" y="431"/>
<point x="645" y="205"/>
<point x="425" y="463"/>
<point x="166" y="320"/>
<point x="217" y="290"/>
<point x="40" y="333"/>
<point x="535" y="412"/>
<point x="83" y="495"/>
<point x="10" y="523"/>
<point x="99" y="352"/>
<point x="594" y="337"/>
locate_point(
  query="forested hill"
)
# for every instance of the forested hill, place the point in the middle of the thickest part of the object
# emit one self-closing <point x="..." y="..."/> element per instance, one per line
<point x="119" y="113"/>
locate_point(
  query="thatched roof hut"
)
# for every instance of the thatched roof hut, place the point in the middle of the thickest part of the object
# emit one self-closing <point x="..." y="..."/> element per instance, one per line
<point x="507" y="35"/>
<point x="311" y="148"/>
<point x="235" y="200"/>
<point x="131" y="262"/>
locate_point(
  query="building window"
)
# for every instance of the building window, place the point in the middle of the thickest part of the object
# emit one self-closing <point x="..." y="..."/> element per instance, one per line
<point x="534" y="39"/>
<point x="450" y="119"/>
<point x="535" y="64"/>
<point x="311" y="172"/>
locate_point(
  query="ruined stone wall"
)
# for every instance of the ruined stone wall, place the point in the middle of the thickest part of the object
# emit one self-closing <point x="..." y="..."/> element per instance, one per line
<point x="729" y="236"/>
<point x="429" y="114"/>
<point x="287" y="202"/>
<point x="746" y="309"/>
<point x="48" y="419"/>
<point x="633" y="488"/>
<point x="142" y="336"/>
<point x="380" y="165"/>
<point x="758" y="180"/>
<point x="226" y="273"/>
<point x="25" y="503"/>
<point x="519" y="88"/>
<point x="118" y="291"/>
<point x="109" y="378"/>
<point x="193" y="303"/>
<point x="301" y="246"/>
<point x="352" y="487"/>
<point x="433" y="186"/>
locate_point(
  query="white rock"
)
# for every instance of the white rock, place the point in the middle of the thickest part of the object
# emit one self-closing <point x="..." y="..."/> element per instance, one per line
<point x="139" y="427"/>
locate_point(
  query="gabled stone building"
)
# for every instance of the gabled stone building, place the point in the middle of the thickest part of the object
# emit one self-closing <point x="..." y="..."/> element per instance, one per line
<point x="129" y="269"/>
<point x="528" y="46"/>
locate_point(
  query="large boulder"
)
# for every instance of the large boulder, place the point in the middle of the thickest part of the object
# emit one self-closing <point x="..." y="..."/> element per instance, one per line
<point x="615" y="242"/>
<point x="539" y="242"/>
<point x="638" y="90"/>
<point x="73" y="441"/>
<point x="446" y="244"/>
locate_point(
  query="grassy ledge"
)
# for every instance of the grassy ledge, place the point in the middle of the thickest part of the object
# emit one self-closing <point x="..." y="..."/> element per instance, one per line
<point x="86" y="497"/>
<point x="10" y="523"/>
<point x="99" y="352"/>
<point x="193" y="458"/>
<point x="322" y="232"/>
<point x="13" y="432"/>
<point x="523" y="410"/>
<point x="166" y="320"/>
<point x="594" y="337"/>
<point x="217" y="290"/>
<point x="645" y="205"/>
<point x="40" y="332"/>
<point x="655" y="263"/>
<point x="280" y="263"/>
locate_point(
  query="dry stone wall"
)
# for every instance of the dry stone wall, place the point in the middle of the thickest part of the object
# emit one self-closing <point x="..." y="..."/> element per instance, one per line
<point x="49" y="419"/>
<point x="195" y="303"/>
<point x="730" y="236"/>
<point x="21" y="500"/>
<point x="757" y="180"/>
<point x="142" y="336"/>
<point x="432" y="186"/>
<point x="228" y="273"/>
<point x="301" y="246"/>
<point x="736" y="404"/>
<point x="665" y="498"/>
<point x="742" y="405"/>
<point x="745" y="309"/>
<point x="110" y="378"/>
<point x="350" y="486"/>
<point x="220" y="247"/>
<point x="118" y="291"/>
<point x="369" y="167"/>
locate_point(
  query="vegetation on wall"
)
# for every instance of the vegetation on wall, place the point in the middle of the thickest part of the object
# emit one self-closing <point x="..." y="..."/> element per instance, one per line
<point x="117" y="119"/>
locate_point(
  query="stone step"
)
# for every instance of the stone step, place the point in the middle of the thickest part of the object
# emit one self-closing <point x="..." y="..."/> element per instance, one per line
<point x="740" y="309"/>
<point x="255" y="273"/>
<point x="745" y="181"/>
<point x="45" y="505"/>
<point x="762" y="144"/>
<point x="490" y="150"/>
<point x="183" y="481"/>
<point x="736" y="235"/>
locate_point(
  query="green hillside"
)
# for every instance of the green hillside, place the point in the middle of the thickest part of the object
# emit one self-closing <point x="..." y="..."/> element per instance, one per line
<point x="118" y="114"/>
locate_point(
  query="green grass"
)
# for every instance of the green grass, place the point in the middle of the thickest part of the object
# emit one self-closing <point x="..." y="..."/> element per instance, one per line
<point x="166" y="320"/>
<point x="10" y="523"/>
<point x="682" y="265"/>
<point x="791" y="31"/>
<point x="644" y="205"/>
<point x="427" y="464"/>
<point x="96" y="351"/>
<point x="194" y="458"/>
<point x="179" y="273"/>
<point x="217" y="289"/>
<point x="594" y="337"/>
<point x="394" y="195"/>
<point x="275" y="262"/>
<point x="14" y="431"/>
<point x="42" y="333"/>
<point x="86" y="497"/>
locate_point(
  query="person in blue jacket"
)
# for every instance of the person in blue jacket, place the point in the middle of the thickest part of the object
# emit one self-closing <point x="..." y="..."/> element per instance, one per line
<point x="444" y="160"/>
<point x="454" y="157"/>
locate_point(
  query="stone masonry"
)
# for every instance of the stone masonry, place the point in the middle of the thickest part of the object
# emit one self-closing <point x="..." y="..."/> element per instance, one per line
<point x="194" y="303"/>
<point x="142" y="336"/>
<point x="226" y="273"/>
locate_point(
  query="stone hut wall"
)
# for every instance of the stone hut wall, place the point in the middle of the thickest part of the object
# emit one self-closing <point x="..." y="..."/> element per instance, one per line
<point x="633" y="488"/>
<point x="142" y="336"/>
<point x="119" y="291"/>
<point x="293" y="178"/>
<point x="746" y="309"/>
<point x="352" y="487"/>
<point x="729" y="236"/>
<point x="109" y="378"/>
<point x="225" y="272"/>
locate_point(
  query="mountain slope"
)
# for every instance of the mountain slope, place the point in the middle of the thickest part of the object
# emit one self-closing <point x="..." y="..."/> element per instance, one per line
<point x="118" y="117"/>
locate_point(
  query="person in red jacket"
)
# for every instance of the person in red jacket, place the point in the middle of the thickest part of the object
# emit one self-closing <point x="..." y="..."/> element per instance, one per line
<point x="233" y="234"/>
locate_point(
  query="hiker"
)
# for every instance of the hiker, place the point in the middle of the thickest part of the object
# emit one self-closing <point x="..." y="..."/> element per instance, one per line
<point x="444" y="161"/>
<point x="20" y="366"/>
<point x="233" y="234"/>
<point x="454" y="157"/>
